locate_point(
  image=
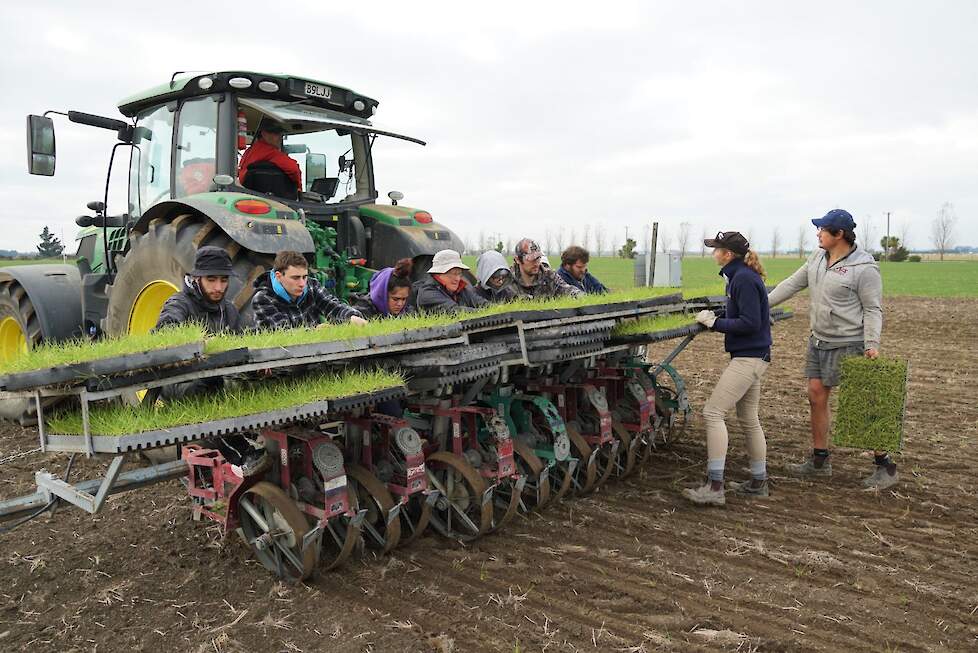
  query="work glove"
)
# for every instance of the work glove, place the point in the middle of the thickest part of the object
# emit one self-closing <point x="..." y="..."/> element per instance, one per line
<point x="706" y="318"/>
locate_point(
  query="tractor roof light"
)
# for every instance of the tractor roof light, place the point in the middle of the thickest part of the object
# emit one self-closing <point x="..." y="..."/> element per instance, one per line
<point x="253" y="207"/>
<point x="358" y="105"/>
<point x="423" y="217"/>
<point x="205" y="83"/>
<point x="239" y="82"/>
<point x="268" y="86"/>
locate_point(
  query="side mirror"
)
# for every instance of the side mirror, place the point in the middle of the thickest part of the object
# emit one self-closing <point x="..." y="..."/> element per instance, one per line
<point x="315" y="167"/>
<point x="40" y="146"/>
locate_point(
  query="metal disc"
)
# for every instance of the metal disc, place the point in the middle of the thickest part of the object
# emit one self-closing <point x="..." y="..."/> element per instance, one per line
<point x="328" y="459"/>
<point x="408" y="441"/>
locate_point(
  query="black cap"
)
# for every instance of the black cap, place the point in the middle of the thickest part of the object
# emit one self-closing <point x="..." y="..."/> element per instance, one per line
<point x="270" y="126"/>
<point x="211" y="262"/>
<point x="732" y="240"/>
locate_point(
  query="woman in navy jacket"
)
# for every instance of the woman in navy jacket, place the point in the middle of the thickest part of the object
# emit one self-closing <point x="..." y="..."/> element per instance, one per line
<point x="746" y="326"/>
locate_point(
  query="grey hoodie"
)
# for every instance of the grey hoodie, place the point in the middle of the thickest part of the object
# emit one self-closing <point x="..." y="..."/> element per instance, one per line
<point x="488" y="263"/>
<point x="846" y="298"/>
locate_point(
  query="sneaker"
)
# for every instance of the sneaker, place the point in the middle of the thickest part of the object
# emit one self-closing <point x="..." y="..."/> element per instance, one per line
<point x="808" y="469"/>
<point x="705" y="495"/>
<point x="881" y="478"/>
<point x="746" y="489"/>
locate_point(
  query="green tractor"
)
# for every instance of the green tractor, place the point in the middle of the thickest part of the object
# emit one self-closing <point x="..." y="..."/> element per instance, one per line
<point x="184" y="140"/>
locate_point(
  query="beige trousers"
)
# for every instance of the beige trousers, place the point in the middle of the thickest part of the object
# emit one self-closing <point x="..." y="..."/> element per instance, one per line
<point x="739" y="387"/>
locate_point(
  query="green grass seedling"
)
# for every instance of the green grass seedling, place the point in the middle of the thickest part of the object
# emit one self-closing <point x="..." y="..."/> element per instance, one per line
<point x="70" y="352"/>
<point x="871" y="400"/>
<point x="247" y="400"/>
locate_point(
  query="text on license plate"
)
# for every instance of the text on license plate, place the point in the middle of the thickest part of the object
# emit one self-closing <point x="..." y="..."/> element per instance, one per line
<point x="318" y="90"/>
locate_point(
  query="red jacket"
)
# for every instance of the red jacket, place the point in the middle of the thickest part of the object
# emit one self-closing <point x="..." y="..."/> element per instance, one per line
<point x="262" y="151"/>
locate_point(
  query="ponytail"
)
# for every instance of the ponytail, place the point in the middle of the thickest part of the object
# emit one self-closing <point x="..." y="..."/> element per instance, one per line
<point x="753" y="261"/>
<point x="401" y="275"/>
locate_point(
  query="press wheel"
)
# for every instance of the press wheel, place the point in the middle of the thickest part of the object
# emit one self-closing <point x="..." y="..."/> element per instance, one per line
<point x="627" y="450"/>
<point x="460" y="512"/>
<point x="586" y="473"/>
<point x="274" y="527"/>
<point x="373" y="495"/>
<point x="536" y="494"/>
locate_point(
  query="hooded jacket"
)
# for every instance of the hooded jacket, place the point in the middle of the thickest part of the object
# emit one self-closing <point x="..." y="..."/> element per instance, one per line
<point x="275" y="309"/>
<point x="374" y="303"/>
<point x="432" y="297"/>
<point x="488" y="264"/>
<point x="846" y="298"/>
<point x="545" y="284"/>
<point x="190" y="305"/>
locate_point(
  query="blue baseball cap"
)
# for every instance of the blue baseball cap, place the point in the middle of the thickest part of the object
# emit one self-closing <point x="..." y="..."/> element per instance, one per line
<point x="836" y="219"/>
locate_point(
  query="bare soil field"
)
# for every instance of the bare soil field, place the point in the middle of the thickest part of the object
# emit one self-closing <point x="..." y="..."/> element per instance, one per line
<point x="820" y="566"/>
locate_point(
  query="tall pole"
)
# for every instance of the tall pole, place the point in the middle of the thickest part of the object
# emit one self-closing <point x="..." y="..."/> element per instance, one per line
<point x="886" y="250"/>
<point x="650" y="258"/>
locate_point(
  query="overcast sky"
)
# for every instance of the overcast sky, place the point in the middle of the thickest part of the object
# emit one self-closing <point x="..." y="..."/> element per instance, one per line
<point x="540" y="116"/>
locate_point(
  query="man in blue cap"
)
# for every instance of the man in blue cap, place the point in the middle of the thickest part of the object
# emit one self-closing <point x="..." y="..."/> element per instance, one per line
<point x="846" y="319"/>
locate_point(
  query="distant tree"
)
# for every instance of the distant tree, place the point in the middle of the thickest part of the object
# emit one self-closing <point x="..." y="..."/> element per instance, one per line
<point x="802" y="237"/>
<point x="586" y="237"/>
<point x="559" y="239"/>
<point x="704" y="235"/>
<point x="50" y="246"/>
<point x="499" y="246"/>
<point x="893" y="250"/>
<point x="628" y="249"/>
<point x="775" y="242"/>
<point x="573" y="238"/>
<point x="684" y="228"/>
<point x="868" y="236"/>
<point x="599" y="241"/>
<point x="548" y="239"/>
<point x="941" y="229"/>
<point x="665" y="240"/>
<point x="905" y="233"/>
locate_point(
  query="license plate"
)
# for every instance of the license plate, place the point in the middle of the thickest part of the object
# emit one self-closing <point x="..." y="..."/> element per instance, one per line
<point x="318" y="90"/>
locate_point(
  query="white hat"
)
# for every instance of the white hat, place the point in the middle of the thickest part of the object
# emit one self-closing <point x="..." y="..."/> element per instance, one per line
<point x="544" y="261"/>
<point x="445" y="260"/>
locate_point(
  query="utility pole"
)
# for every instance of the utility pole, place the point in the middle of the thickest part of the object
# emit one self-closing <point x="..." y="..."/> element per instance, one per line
<point x="886" y="250"/>
<point x="650" y="256"/>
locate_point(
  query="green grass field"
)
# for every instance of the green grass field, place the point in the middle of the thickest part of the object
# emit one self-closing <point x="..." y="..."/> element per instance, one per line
<point x="924" y="279"/>
<point x="32" y="261"/>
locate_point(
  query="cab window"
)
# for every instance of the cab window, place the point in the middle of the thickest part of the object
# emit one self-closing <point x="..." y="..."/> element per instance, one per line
<point x="149" y="170"/>
<point x="196" y="152"/>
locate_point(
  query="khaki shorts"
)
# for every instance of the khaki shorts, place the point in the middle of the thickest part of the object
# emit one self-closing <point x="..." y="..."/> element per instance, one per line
<point x="825" y="364"/>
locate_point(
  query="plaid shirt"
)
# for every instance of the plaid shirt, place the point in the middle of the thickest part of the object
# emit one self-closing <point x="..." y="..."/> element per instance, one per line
<point x="316" y="306"/>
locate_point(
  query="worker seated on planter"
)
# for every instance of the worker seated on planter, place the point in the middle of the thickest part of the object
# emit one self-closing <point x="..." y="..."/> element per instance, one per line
<point x="266" y="148"/>
<point x="389" y="292"/>
<point x="445" y="289"/>
<point x="533" y="281"/>
<point x="495" y="279"/>
<point x="287" y="298"/>
<point x="203" y="299"/>
<point x="573" y="270"/>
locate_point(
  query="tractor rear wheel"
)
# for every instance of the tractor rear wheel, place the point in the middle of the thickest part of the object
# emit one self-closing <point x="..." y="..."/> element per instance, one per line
<point x="155" y="265"/>
<point x="20" y="330"/>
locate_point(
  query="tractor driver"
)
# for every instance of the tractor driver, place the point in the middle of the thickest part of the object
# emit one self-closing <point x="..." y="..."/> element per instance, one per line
<point x="267" y="146"/>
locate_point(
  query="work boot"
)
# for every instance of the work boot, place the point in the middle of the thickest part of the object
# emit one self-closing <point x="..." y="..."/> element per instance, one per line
<point x="882" y="477"/>
<point x="750" y="489"/>
<point x="705" y="495"/>
<point x="808" y="469"/>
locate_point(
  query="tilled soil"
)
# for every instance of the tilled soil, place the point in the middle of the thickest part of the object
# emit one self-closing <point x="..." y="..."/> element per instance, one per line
<point x="819" y="566"/>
